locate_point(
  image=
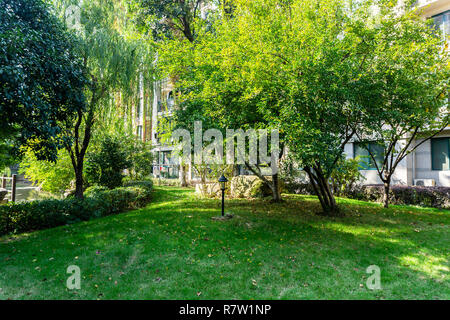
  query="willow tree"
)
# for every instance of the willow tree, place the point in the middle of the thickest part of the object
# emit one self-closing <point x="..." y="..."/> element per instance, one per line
<point x="113" y="63"/>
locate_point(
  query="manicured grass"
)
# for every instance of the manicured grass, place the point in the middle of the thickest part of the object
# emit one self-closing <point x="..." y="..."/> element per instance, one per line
<point x="173" y="250"/>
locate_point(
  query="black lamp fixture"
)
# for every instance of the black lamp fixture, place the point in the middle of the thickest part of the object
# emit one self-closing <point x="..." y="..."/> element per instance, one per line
<point x="222" y="181"/>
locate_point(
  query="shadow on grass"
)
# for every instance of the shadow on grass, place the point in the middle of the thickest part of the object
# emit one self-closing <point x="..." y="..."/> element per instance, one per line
<point x="172" y="249"/>
<point x="412" y="238"/>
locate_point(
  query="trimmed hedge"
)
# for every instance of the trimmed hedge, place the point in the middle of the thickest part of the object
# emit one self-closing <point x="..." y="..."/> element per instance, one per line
<point x="437" y="197"/>
<point x="98" y="202"/>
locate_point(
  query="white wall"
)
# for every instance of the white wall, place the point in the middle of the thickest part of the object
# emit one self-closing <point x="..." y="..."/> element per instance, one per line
<point x="402" y="175"/>
<point x="416" y="165"/>
<point x="423" y="168"/>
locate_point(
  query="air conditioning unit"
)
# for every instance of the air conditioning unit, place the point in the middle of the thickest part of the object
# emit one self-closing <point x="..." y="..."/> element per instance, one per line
<point x="424" y="182"/>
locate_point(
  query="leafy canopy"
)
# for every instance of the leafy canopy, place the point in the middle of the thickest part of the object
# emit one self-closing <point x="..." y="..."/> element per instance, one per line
<point x="41" y="75"/>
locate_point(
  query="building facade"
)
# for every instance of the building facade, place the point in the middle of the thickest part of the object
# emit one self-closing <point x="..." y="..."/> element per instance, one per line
<point x="162" y="108"/>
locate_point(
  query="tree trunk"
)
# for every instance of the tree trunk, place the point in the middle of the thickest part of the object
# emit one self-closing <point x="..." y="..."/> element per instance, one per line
<point x="387" y="186"/>
<point x="322" y="189"/>
<point x="183" y="180"/>
<point x="77" y="152"/>
<point x="276" y="188"/>
<point x="79" y="183"/>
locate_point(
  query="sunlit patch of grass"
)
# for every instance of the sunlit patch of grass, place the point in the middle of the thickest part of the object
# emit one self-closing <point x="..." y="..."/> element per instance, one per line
<point x="435" y="266"/>
<point x="173" y="250"/>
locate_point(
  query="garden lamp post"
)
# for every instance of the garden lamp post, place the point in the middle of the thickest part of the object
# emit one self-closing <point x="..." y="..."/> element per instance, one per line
<point x="222" y="181"/>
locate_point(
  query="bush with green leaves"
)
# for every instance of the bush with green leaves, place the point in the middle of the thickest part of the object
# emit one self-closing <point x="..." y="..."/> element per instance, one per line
<point x="345" y="176"/>
<point x="437" y="197"/>
<point x="140" y="159"/>
<point x="146" y="184"/>
<point x="99" y="202"/>
<point x="53" y="177"/>
<point x="106" y="163"/>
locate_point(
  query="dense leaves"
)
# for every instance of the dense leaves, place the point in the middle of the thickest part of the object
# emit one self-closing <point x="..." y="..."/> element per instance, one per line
<point x="45" y="214"/>
<point x="105" y="164"/>
<point x="54" y="177"/>
<point x="41" y="75"/>
<point x="320" y="71"/>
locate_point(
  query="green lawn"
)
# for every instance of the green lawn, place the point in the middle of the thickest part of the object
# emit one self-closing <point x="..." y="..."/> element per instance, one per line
<point x="173" y="250"/>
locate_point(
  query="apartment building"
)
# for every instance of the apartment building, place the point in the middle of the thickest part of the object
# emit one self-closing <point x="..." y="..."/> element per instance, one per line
<point x="162" y="108"/>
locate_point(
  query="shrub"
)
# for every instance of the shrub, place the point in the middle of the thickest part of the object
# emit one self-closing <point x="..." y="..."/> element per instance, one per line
<point x="106" y="163"/>
<point x="249" y="187"/>
<point x="54" y="177"/>
<point x="166" y="182"/>
<point x="146" y="184"/>
<point x="94" y="190"/>
<point x="140" y="158"/>
<point x="437" y="197"/>
<point x="99" y="202"/>
<point x="345" y="176"/>
<point x="299" y="188"/>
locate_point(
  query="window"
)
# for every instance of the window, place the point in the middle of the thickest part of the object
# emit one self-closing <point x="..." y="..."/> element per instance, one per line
<point x="170" y="100"/>
<point x="139" y="112"/>
<point x="442" y="23"/>
<point x="440" y="153"/>
<point x="361" y="150"/>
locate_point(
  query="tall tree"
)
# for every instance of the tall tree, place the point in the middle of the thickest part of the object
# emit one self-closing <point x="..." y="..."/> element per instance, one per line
<point x="410" y="77"/>
<point x="270" y="66"/>
<point x="318" y="70"/>
<point x="334" y="68"/>
<point x="170" y="18"/>
<point x="41" y="76"/>
<point x="113" y="61"/>
<point x="212" y="87"/>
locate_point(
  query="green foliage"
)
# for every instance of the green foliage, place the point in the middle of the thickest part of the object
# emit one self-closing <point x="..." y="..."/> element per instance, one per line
<point x="140" y="158"/>
<point x="168" y="18"/>
<point x="166" y="182"/>
<point x="437" y="197"/>
<point x="117" y="60"/>
<point x="7" y="153"/>
<point x="320" y="71"/>
<point x="268" y="251"/>
<point x="289" y="170"/>
<point x="41" y="75"/>
<point x="106" y="162"/>
<point x="146" y="184"/>
<point x="94" y="190"/>
<point x="248" y="187"/>
<point x="345" y="176"/>
<point x="406" y="101"/>
<point x="44" y="214"/>
<point x="54" y="177"/>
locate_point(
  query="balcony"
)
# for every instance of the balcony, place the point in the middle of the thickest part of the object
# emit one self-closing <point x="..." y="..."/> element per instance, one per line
<point x="433" y="7"/>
